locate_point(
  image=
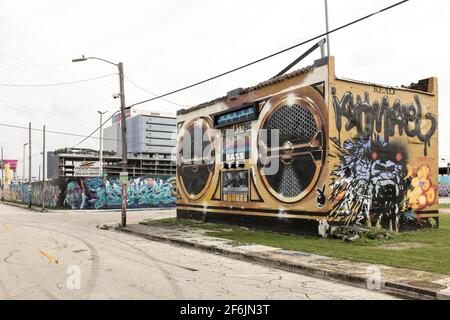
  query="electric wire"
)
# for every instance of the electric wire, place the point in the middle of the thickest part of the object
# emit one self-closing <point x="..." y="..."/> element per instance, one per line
<point x="64" y="133"/>
<point x="72" y="76"/>
<point x="271" y="55"/>
<point x="56" y="83"/>
<point x="152" y="93"/>
<point x="252" y="63"/>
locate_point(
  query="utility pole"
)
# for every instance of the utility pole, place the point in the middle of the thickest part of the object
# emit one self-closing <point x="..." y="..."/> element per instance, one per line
<point x="123" y="122"/>
<point x="101" y="142"/>
<point x="23" y="165"/>
<point x="124" y="134"/>
<point x="29" y="163"/>
<point x="43" y="169"/>
<point x="3" y="181"/>
<point x="327" y="27"/>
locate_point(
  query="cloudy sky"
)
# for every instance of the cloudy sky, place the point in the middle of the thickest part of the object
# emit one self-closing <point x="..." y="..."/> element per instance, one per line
<point x="166" y="44"/>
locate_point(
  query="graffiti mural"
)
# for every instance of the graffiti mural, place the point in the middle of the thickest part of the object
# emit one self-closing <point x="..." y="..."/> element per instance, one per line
<point x="444" y="186"/>
<point x="19" y="192"/>
<point x="374" y="182"/>
<point x="422" y="193"/>
<point x="376" y="117"/>
<point x="371" y="182"/>
<point x="98" y="193"/>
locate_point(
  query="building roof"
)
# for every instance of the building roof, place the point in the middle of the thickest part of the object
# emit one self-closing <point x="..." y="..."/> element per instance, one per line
<point x="260" y="85"/>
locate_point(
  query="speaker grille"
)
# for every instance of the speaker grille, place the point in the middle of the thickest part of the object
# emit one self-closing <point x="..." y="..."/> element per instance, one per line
<point x="194" y="178"/>
<point x="298" y="127"/>
<point x="295" y="123"/>
<point x="194" y="171"/>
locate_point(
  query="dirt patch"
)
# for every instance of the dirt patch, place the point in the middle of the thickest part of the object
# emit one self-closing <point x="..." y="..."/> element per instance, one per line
<point x="402" y="246"/>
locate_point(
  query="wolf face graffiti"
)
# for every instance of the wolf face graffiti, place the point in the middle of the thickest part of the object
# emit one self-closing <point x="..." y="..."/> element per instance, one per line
<point x="370" y="183"/>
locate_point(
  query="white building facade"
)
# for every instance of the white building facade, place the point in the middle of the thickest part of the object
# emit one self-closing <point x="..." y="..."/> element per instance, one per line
<point x="149" y="134"/>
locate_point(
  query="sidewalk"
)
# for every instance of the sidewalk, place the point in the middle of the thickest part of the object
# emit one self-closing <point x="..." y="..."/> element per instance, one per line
<point x="404" y="282"/>
<point x="51" y="210"/>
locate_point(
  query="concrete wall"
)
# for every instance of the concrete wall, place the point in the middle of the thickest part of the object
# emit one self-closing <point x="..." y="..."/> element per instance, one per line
<point x="96" y="193"/>
<point x="383" y="154"/>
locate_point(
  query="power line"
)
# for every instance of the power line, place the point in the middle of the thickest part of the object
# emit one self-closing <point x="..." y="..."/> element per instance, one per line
<point x="271" y="55"/>
<point x="152" y="93"/>
<point x="57" y="83"/>
<point x="87" y="137"/>
<point x="27" y="108"/>
<point x="72" y="76"/>
<point x="60" y="132"/>
<point x="249" y="64"/>
<point x="50" y="78"/>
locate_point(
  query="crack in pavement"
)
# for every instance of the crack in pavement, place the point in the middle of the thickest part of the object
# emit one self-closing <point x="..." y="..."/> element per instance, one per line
<point x="11" y="253"/>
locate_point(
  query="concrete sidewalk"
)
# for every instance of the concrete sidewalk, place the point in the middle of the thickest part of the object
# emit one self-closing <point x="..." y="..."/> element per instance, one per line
<point x="404" y="282"/>
<point x="52" y="210"/>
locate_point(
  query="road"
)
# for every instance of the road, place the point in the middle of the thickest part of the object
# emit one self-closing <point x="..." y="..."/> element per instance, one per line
<point x="64" y="256"/>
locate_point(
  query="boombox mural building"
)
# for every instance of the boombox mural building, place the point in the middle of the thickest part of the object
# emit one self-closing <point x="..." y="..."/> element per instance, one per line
<point x="308" y="150"/>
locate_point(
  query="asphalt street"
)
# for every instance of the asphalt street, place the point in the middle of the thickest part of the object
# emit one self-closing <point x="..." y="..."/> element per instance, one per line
<point x="62" y="255"/>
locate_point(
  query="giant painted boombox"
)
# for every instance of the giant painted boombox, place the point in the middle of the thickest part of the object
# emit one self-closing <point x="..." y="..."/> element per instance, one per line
<point x="293" y="153"/>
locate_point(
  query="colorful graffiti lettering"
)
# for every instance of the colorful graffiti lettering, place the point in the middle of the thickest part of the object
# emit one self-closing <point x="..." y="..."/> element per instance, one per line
<point x="370" y="118"/>
<point x="142" y="192"/>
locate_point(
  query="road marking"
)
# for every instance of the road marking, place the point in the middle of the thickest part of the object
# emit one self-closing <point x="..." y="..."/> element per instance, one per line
<point x="50" y="258"/>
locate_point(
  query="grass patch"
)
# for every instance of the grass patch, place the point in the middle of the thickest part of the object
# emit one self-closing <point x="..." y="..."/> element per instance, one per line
<point x="435" y="257"/>
<point x="444" y="206"/>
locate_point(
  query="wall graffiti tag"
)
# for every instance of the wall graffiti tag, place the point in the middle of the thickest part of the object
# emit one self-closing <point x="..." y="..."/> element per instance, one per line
<point x="370" y="118"/>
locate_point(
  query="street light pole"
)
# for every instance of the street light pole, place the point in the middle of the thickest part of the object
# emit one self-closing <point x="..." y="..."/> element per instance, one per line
<point x="43" y="170"/>
<point x="327" y="27"/>
<point x="123" y="123"/>
<point x="29" y="163"/>
<point x="3" y="182"/>
<point x="23" y="173"/>
<point x="101" y="142"/>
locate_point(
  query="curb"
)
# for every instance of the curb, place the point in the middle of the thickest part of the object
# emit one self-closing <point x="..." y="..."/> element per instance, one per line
<point x="399" y="289"/>
<point x="55" y="210"/>
<point x="22" y="206"/>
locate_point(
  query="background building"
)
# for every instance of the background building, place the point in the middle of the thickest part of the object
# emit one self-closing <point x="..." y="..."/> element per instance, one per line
<point x="150" y="135"/>
<point x="61" y="164"/>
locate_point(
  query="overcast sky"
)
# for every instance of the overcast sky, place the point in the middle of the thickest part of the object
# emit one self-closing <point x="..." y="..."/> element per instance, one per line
<point x="166" y="44"/>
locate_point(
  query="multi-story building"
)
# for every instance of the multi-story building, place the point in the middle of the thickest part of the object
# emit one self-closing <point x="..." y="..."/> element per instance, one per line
<point x="150" y="134"/>
<point x="62" y="163"/>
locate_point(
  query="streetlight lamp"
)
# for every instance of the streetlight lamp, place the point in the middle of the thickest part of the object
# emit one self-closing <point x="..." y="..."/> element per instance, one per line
<point x="101" y="142"/>
<point x="123" y="124"/>
<point x="23" y="174"/>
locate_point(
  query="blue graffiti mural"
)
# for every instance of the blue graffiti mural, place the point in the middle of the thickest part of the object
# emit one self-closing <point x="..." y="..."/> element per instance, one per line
<point x="99" y="193"/>
<point x="444" y="186"/>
